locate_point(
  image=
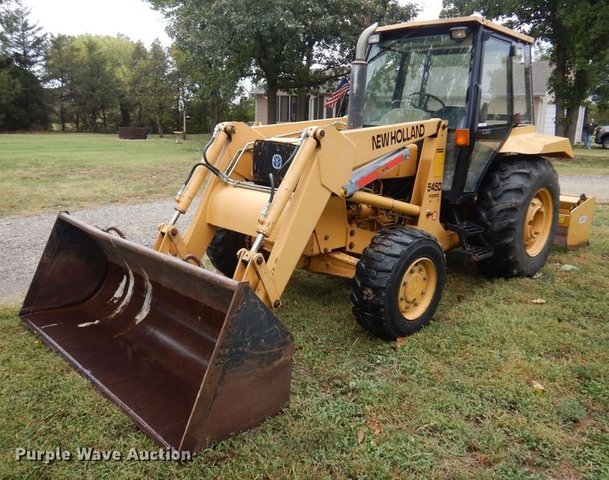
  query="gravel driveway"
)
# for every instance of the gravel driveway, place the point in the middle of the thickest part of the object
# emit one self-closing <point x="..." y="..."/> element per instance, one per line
<point x="22" y="240"/>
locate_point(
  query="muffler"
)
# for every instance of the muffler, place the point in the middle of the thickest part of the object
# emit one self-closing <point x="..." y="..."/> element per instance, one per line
<point x="191" y="356"/>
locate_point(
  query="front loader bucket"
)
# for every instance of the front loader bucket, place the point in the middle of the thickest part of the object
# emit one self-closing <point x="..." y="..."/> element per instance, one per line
<point x="191" y="356"/>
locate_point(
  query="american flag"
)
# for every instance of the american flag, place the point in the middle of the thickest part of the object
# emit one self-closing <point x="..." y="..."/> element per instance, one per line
<point x="341" y="90"/>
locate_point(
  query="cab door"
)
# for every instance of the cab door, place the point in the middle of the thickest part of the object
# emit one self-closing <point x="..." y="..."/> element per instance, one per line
<point x="502" y="99"/>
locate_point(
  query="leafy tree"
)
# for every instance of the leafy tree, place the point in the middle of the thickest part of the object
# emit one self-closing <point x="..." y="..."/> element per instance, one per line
<point x="123" y="57"/>
<point x="10" y="89"/>
<point x="22" y="104"/>
<point x="95" y="78"/>
<point x="95" y="85"/>
<point x="600" y="90"/>
<point x="131" y="76"/>
<point x="155" y="92"/>
<point x="19" y="39"/>
<point x="60" y="65"/>
<point x="206" y="86"/>
<point x="101" y="82"/>
<point x="578" y="31"/>
<point x="21" y="96"/>
<point x="286" y="44"/>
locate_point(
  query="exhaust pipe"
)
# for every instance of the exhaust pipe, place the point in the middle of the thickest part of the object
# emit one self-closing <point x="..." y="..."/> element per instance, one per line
<point x="359" y="69"/>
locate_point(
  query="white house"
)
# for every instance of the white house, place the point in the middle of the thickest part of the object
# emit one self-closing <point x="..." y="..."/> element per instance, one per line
<point x="287" y="107"/>
<point x="543" y="102"/>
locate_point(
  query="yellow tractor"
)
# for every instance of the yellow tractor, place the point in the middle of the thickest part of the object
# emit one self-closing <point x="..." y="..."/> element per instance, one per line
<point x="438" y="152"/>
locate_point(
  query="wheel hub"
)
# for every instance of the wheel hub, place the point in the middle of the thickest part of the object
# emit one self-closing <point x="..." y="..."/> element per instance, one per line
<point x="417" y="288"/>
<point x="538" y="222"/>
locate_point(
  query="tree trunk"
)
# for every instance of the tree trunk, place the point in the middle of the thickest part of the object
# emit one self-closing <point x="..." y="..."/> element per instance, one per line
<point x="559" y="92"/>
<point x="125" y="115"/>
<point x="271" y="105"/>
<point x="214" y="114"/>
<point x="62" y="116"/>
<point x="572" y="116"/>
<point x="302" y="106"/>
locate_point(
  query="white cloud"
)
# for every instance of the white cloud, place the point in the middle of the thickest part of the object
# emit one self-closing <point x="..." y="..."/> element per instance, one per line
<point x="431" y="9"/>
<point x="133" y="18"/>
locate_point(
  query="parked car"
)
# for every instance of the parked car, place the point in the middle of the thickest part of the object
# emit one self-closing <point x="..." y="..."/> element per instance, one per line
<point x="602" y="136"/>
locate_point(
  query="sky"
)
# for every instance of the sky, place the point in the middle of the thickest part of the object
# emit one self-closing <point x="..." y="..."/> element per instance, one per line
<point x="133" y="18"/>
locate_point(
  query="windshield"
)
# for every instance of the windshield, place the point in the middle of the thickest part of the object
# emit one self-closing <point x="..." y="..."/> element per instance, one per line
<point x="417" y="77"/>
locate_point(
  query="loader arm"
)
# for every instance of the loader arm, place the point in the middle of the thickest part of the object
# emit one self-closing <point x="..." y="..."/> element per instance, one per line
<point x="283" y="221"/>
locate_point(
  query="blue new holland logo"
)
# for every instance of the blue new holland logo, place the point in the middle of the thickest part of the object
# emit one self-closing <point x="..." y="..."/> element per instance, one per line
<point x="277" y="161"/>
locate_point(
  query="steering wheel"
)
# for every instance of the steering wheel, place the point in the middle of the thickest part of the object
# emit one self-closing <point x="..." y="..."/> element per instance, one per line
<point x="423" y="100"/>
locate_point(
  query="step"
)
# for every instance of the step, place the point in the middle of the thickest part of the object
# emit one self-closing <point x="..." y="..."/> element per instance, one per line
<point x="468" y="229"/>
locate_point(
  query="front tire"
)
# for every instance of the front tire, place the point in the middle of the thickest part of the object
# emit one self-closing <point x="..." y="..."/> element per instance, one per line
<point x="518" y="208"/>
<point x="398" y="282"/>
<point x="223" y="248"/>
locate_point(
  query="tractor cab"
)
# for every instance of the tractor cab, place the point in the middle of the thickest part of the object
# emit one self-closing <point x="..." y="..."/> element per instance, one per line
<point x="468" y="71"/>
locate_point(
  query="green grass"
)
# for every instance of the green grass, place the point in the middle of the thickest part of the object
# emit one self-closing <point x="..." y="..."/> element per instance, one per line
<point x="460" y="399"/>
<point x="52" y="172"/>
<point x="587" y="162"/>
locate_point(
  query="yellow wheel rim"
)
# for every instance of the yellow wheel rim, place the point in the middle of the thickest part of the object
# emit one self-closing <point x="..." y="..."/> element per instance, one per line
<point x="538" y="222"/>
<point x="417" y="288"/>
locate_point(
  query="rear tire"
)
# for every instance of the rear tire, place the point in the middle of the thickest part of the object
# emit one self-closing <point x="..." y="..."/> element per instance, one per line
<point x="518" y="208"/>
<point x="398" y="282"/>
<point x="223" y="248"/>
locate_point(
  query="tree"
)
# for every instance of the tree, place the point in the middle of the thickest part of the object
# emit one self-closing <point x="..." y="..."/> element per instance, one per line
<point x="21" y="96"/>
<point x="288" y="45"/>
<point x="132" y="76"/>
<point x="155" y="92"/>
<point x="578" y="31"/>
<point x="101" y="82"/>
<point x="60" y="65"/>
<point x="19" y="39"/>
<point x="22" y="104"/>
<point x="95" y="84"/>
<point x="600" y="90"/>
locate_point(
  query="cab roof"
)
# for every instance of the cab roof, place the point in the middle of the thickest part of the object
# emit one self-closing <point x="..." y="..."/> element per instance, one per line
<point x="457" y="21"/>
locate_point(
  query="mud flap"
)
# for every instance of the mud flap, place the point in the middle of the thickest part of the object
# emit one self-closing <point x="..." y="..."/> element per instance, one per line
<point x="191" y="356"/>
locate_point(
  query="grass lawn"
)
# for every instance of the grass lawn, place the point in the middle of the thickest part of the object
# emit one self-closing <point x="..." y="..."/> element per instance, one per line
<point x="510" y="380"/>
<point x="53" y="172"/>
<point x="587" y="162"/>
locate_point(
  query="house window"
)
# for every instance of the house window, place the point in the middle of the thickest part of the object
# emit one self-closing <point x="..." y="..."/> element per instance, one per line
<point x="287" y="106"/>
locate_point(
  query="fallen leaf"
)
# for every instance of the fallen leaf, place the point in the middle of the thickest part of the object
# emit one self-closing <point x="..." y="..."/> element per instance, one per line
<point x="538" y="301"/>
<point x="569" y="268"/>
<point x="401" y="340"/>
<point x="538" y="387"/>
<point x="377" y="427"/>
<point x="360" y="437"/>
